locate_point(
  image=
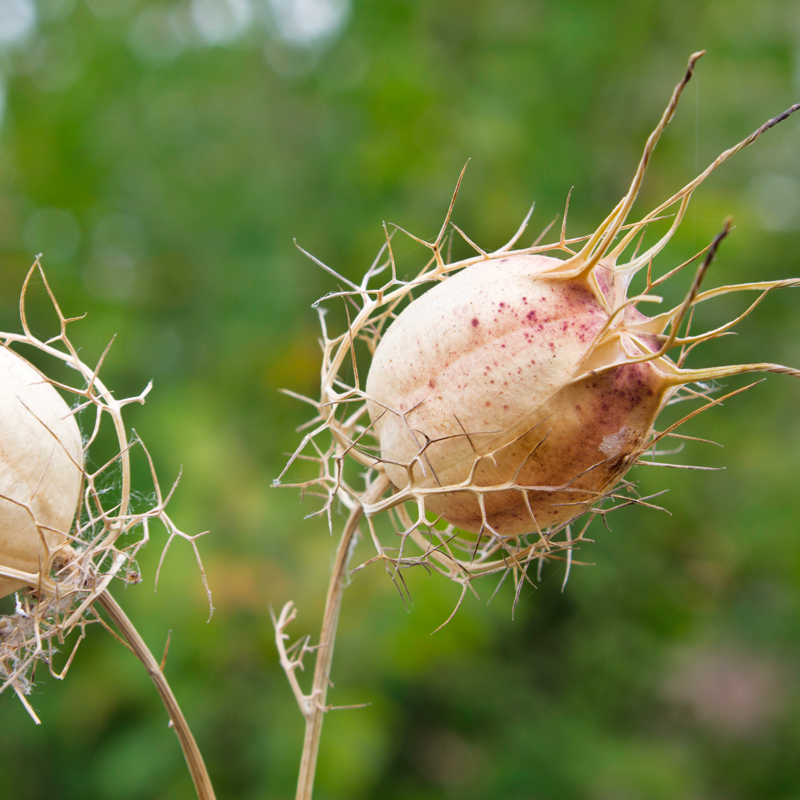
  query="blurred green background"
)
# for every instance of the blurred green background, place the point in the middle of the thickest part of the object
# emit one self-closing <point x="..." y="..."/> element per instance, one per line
<point x="162" y="156"/>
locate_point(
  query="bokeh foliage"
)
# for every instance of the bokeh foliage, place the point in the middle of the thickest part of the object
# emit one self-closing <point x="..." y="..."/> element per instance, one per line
<point x="163" y="156"/>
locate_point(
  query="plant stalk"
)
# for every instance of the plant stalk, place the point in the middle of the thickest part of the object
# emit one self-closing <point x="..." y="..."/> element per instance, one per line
<point x="194" y="761"/>
<point x="330" y="620"/>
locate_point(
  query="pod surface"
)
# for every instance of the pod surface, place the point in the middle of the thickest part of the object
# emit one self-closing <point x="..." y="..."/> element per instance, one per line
<point x="41" y="458"/>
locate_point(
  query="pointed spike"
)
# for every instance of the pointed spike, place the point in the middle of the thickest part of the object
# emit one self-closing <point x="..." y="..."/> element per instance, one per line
<point x="446" y="222"/>
<point x="506" y="247"/>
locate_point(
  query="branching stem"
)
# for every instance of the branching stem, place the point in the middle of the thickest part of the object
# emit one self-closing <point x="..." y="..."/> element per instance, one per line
<point x="314" y="708"/>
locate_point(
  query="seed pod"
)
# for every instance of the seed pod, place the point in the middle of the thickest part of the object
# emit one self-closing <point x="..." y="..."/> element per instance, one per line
<point x="513" y="396"/>
<point x="483" y="382"/>
<point x="509" y="393"/>
<point x="41" y="468"/>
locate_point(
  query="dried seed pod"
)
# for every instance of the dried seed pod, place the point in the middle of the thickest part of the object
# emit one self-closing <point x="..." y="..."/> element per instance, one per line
<point x="509" y="393"/>
<point x="515" y="395"/>
<point x="483" y="382"/>
<point x="41" y="468"/>
<point x="65" y="532"/>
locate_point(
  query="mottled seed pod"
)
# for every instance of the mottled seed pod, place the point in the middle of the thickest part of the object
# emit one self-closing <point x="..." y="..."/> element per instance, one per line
<point x="509" y="393"/>
<point x="515" y="394"/>
<point x="491" y="379"/>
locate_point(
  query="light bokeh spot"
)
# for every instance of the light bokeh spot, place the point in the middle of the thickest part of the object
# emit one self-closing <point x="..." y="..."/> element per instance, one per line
<point x="155" y="36"/>
<point x="309" y="22"/>
<point x="220" y="22"/>
<point x="17" y="21"/>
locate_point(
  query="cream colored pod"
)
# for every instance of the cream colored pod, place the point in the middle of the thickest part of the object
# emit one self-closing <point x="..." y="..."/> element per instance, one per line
<point x="41" y="469"/>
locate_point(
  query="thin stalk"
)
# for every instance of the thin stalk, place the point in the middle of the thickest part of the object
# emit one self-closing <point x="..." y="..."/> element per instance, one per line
<point x="330" y="620"/>
<point x="194" y="761"/>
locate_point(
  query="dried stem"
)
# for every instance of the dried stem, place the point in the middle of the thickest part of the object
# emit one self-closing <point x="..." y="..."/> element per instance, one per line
<point x="313" y="705"/>
<point x="194" y="761"/>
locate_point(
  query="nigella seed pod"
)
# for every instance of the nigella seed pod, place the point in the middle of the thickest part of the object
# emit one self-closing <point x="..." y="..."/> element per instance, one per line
<point x="509" y="394"/>
<point x="41" y="470"/>
<point x="505" y="396"/>
<point x="68" y="531"/>
<point x="489" y="381"/>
